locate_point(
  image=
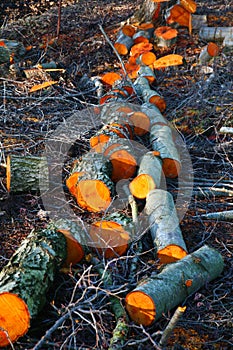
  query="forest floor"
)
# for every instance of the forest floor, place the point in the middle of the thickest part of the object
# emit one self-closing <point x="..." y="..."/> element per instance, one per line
<point x="198" y="104"/>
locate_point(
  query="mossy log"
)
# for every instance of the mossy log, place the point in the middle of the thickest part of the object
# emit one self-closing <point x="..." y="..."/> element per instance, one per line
<point x="26" y="174"/>
<point x="148" y="176"/>
<point x="161" y="293"/>
<point x="164" y="226"/>
<point x="25" y="280"/>
<point x="90" y="182"/>
<point x="162" y="141"/>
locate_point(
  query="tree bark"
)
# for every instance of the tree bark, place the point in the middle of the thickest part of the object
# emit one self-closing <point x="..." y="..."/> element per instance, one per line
<point x="146" y="12"/>
<point x="161" y="293"/>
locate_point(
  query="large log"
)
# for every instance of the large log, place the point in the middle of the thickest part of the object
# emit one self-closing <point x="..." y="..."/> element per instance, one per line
<point x="25" y="280"/>
<point x="161" y="293"/>
<point x="26" y="174"/>
<point x="164" y="226"/>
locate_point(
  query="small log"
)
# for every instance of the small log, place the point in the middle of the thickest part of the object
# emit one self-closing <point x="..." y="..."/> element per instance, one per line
<point x="148" y="177"/>
<point x="148" y="27"/>
<point x="141" y="36"/>
<point x="123" y="44"/>
<point x="165" y="36"/>
<point x="110" y="78"/>
<point x="154" y="114"/>
<point x="199" y="21"/>
<point x="226" y="215"/>
<point x="26" y="174"/>
<point x="157" y="295"/>
<point x="162" y="141"/>
<point x="149" y="96"/>
<point x="94" y="188"/>
<point x="208" y="53"/>
<point x="215" y="33"/>
<point x="147" y="73"/>
<point x="164" y="226"/>
<point x="226" y="130"/>
<point x="111" y="236"/>
<point x="146" y="59"/>
<point x="177" y="14"/>
<point x="128" y="30"/>
<point x="25" y="280"/>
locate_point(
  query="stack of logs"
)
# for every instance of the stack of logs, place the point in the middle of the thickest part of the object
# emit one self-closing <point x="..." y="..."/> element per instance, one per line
<point x="113" y="156"/>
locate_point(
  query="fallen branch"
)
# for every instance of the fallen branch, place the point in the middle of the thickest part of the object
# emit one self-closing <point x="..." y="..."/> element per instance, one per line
<point x="171" y="325"/>
<point x="226" y="215"/>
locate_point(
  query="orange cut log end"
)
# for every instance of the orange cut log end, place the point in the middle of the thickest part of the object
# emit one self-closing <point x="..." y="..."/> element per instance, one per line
<point x="171" y="168"/>
<point x="121" y="48"/>
<point x="8" y="173"/>
<point x="171" y="254"/>
<point x="14" y="318"/>
<point x="141" y="185"/>
<point x="141" y="39"/>
<point x="167" y="33"/>
<point x="212" y="49"/>
<point x="141" y="123"/>
<point x="75" y="251"/>
<point x="110" y="78"/>
<point x="128" y="30"/>
<point x="123" y="164"/>
<point x="98" y="139"/>
<point x="72" y="180"/>
<point x="140" y="307"/>
<point x="159" y="102"/>
<point x="93" y="195"/>
<point x="109" y="238"/>
<point x="148" y="58"/>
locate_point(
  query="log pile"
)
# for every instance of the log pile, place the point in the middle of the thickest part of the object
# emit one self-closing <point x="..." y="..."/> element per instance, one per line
<point x="113" y="157"/>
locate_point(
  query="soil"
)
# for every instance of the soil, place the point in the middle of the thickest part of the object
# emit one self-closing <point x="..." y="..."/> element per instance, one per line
<point x="198" y="104"/>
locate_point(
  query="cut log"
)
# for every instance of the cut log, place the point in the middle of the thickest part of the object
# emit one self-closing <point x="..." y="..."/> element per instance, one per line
<point x="140" y="48"/>
<point x="165" y="36"/>
<point x="146" y="12"/>
<point x="157" y="295"/>
<point x="149" y="96"/>
<point x="146" y="59"/>
<point x="25" y="280"/>
<point x="140" y="122"/>
<point x="162" y="141"/>
<point x="26" y="174"/>
<point x="110" y="78"/>
<point x="208" y="53"/>
<point x="111" y="235"/>
<point x="164" y="226"/>
<point x="94" y="187"/>
<point x="141" y="36"/>
<point x="215" y="33"/>
<point x="128" y="30"/>
<point x="148" y="73"/>
<point x="188" y="5"/>
<point x="177" y="14"/>
<point x="148" y="177"/>
<point x="123" y="44"/>
<point x="168" y="61"/>
<point x="154" y="114"/>
<point x="148" y="27"/>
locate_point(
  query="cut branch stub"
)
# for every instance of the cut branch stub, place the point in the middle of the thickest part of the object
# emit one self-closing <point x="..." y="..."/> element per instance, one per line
<point x="164" y="226"/>
<point x="157" y="295"/>
<point x="28" y="275"/>
<point x="148" y="177"/>
<point x="26" y="174"/>
<point x="94" y="187"/>
<point x="162" y="141"/>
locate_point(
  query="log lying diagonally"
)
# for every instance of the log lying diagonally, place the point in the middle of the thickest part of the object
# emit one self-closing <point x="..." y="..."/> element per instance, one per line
<point x="160" y="293"/>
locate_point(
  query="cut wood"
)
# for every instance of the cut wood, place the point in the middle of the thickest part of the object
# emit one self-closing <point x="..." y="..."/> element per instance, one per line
<point x="226" y="130"/>
<point x="94" y="188"/>
<point x="141" y="36"/>
<point x="165" y="36"/>
<point x="26" y="174"/>
<point x="164" y="226"/>
<point x="111" y="235"/>
<point x="177" y="14"/>
<point x="123" y="44"/>
<point x="162" y="141"/>
<point x="215" y="33"/>
<point x="154" y="114"/>
<point x="208" y="53"/>
<point x="189" y="5"/>
<point x="147" y="26"/>
<point x="128" y="30"/>
<point x="25" y="280"/>
<point x="110" y="78"/>
<point x="161" y="293"/>
<point x="147" y="58"/>
<point x="148" y="177"/>
<point x="150" y="96"/>
<point x="226" y="215"/>
<point x="148" y="73"/>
